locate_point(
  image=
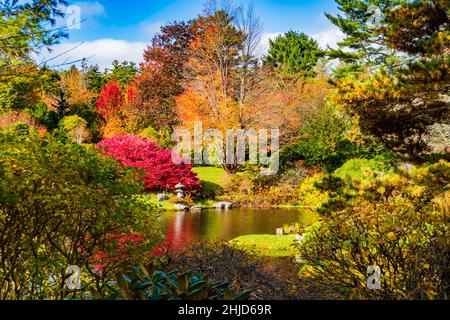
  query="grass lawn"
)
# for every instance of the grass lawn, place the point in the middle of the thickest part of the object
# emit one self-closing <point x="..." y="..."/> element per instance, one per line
<point x="267" y="245"/>
<point x="165" y="205"/>
<point x="212" y="178"/>
<point x="169" y="205"/>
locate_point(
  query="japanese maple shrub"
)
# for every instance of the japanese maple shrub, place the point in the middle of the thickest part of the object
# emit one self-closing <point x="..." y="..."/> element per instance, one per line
<point x="161" y="172"/>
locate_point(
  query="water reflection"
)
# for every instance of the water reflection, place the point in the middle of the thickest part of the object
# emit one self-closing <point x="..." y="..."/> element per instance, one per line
<point x="183" y="227"/>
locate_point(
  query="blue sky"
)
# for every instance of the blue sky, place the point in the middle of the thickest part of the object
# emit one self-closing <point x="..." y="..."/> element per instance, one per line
<point x="118" y="29"/>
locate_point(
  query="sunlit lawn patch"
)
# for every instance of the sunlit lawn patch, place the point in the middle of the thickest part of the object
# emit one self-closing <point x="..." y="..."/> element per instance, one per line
<point x="212" y="178"/>
<point x="267" y="245"/>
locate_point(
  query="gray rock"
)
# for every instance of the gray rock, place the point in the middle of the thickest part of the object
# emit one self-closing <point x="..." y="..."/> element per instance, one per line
<point x="418" y="102"/>
<point x="162" y="197"/>
<point x="196" y="208"/>
<point x="223" y="205"/>
<point x="181" y="207"/>
<point x="219" y="206"/>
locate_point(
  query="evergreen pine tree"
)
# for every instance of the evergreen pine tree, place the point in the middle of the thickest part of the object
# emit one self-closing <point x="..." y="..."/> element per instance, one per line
<point x="294" y="53"/>
<point x="400" y="104"/>
<point x="61" y="105"/>
<point x="363" y="49"/>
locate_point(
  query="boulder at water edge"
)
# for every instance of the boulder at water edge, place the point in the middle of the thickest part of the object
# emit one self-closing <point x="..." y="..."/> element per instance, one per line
<point x="162" y="197"/>
<point x="223" y="206"/>
<point x="181" y="207"/>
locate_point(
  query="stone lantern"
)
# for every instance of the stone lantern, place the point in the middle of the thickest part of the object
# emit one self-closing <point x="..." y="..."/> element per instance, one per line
<point x="180" y="191"/>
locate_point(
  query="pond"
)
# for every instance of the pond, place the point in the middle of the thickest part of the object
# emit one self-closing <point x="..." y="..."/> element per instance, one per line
<point x="182" y="227"/>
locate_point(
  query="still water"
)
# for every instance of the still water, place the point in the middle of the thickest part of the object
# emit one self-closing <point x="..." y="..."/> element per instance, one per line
<point x="183" y="227"/>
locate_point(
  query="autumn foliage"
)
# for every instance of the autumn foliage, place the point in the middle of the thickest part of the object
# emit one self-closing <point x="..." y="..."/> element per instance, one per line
<point x="110" y="100"/>
<point x="161" y="173"/>
<point x="75" y="88"/>
<point x="118" y="252"/>
<point x="113" y="127"/>
<point x="160" y="79"/>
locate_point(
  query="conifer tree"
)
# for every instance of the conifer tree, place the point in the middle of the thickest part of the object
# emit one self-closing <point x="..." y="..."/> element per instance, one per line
<point x="294" y="53"/>
<point x="399" y="105"/>
<point x="363" y="47"/>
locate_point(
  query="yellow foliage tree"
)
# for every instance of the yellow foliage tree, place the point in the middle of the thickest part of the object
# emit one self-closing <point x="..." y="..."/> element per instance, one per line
<point x="114" y="127"/>
<point x="75" y="87"/>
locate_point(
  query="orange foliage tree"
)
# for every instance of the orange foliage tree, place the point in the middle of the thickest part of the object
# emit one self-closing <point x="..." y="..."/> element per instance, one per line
<point x="75" y="88"/>
<point x="224" y="90"/>
<point x="161" y="76"/>
<point x="210" y="95"/>
<point x="279" y="103"/>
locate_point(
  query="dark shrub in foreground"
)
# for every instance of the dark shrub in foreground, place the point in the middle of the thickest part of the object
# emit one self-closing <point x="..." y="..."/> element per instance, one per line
<point x="269" y="279"/>
<point x="59" y="206"/>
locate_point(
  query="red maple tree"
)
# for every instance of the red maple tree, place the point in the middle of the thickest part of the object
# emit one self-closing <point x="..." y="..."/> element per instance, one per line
<point x="110" y="100"/>
<point x="161" y="172"/>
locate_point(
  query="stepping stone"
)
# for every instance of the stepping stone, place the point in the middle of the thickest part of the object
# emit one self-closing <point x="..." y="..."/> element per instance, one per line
<point x="162" y="197"/>
<point x="223" y="205"/>
<point x="181" y="207"/>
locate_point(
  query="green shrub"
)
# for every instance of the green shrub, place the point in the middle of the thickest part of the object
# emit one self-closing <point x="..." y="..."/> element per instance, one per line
<point x="324" y="140"/>
<point x="88" y="113"/>
<point x="19" y="93"/>
<point x="400" y="223"/>
<point x="362" y="169"/>
<point x="72" y="122"/>
<point x="162" y="137"/>
<point x="20" y="128"/>
<point x="77" y="128"/>
<point x="293" y="228"/>
<point x="346" y="183"/>
<point x="60" y="204"/>
<point x="327" y="141"/>
<point x="309" y="196"/>
<point x="44" y="116"/>
<point x="249" y="188"/>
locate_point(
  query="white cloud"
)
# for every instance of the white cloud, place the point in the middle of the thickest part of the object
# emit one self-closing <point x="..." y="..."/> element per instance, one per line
<point x="264" y="42"/>
<point x="149" y="29"/>
<point x="329" y="38"/>
<point x="101" y="52"/>
<point x="104" y="51"/>
<point x="91" y="9"/>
